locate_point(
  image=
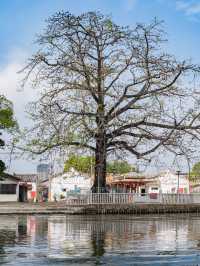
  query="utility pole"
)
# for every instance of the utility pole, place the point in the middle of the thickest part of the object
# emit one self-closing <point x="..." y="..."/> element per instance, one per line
<point x="98" y="185"/>
<point x="37" y="189"/>
<point x="50" y="181"/>
<point x="50" y="176"/>
<point x="178" y="175"/>
<point x="178" y="184"/>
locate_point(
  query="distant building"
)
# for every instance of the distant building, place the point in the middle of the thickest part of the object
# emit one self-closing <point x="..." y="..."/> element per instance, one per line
<point x="9" y="188"/>
<point x="28" y="187"/>
<point x="70" y="183"/>
<point x="130" y="183"/>
<point x="43" y="171"/>
<point x="171" y="183"/>
<point x="166" y="182"/>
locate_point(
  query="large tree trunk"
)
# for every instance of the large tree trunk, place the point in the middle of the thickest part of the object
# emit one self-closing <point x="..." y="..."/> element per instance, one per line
<point x="100" y="164"/>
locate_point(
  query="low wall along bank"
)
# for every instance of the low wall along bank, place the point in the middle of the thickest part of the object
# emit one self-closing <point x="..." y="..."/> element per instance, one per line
<point x="94" y="209"/>
<point x="108" y="203"/>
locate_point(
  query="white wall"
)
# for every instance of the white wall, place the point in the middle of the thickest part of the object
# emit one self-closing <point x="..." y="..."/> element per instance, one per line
<point x="8" y="197"/>
<point x="169" y="183"/>
<point x="69" y="182"/>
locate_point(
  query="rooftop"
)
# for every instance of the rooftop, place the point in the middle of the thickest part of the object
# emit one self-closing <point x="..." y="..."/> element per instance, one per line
<point x="9" y="176"/>
<point x="27" y="177"/>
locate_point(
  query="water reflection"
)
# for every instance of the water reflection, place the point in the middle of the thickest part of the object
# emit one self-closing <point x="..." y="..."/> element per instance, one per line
<point x="98" y="243"/>
<point x="105" y="240"/>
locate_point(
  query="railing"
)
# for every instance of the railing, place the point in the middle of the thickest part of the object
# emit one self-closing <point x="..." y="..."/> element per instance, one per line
<point x="132" y="198"/>
<point x="181" y="198"/>
<point x="101" y="198"/>
<point x="148" y="198"/>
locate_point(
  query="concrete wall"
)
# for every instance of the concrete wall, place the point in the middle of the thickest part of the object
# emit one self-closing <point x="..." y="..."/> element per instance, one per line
<point x="169" y="183"/>
<point x="8" y="198"/>
<point x="69" y="183"/>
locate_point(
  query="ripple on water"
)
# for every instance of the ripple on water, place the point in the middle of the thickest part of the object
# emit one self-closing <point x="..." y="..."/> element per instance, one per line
<point x="100" y="240"/>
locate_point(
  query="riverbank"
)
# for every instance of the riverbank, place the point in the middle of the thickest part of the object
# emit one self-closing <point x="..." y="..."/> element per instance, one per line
<point x="62" y="208"/>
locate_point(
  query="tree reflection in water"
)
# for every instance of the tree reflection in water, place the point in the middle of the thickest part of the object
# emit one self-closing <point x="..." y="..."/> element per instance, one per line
<point x="98" y="243"/>
<point x="22" y="228"/>
<point x="105" y="240"/>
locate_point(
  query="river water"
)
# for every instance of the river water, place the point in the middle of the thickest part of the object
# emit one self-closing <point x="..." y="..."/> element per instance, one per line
<point x="100" y="240"/>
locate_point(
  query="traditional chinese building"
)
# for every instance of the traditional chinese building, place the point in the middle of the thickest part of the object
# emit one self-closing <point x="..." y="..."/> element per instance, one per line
<point x="131" y="182"/>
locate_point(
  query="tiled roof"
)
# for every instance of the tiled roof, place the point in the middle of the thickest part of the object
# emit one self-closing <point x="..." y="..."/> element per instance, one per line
<point x="27" y="177"/>
<point x="5" y="176"/>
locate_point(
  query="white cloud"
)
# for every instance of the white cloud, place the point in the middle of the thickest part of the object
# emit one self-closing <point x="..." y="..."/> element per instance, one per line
<point x="129" y="4"/>
<point x="190" y="8"/>
<point x="10" y="85"/>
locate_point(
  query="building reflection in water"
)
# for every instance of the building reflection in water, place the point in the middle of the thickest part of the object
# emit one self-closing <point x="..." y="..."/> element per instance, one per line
<point x="68" y="237"/>
<point x="37" y="228"/>
<point x="8" y="234"/>
<point x="92" y="236"/>
<point x="96" y="236"/>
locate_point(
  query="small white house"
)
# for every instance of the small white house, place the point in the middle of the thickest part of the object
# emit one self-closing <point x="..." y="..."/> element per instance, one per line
<point x="9" y="188"/>
<point x="172" y="183"/>
<point x="27" y="188"/>
<point x="69" y="184"/>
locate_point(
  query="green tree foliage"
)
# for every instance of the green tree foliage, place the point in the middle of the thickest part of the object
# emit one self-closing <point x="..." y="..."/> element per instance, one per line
<point x="6" y="122"/>
<point x="195" y="173"/>
<point x="84" y="164"/>
<point x="119" y="167"/>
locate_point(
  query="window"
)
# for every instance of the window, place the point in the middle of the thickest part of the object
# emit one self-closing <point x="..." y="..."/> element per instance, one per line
<point x="8" y="188"/>
<point x="143" y="191"/>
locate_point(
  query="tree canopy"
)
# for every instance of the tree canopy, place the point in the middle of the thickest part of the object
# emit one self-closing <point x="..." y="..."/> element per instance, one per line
<point x="119" y="167"/>
<point x="110" y="89"/>
<point x="7" y="122"/>
<point x="195" y="173"/>
<point x="83" y="164"/>
<point x="86" y="164"/>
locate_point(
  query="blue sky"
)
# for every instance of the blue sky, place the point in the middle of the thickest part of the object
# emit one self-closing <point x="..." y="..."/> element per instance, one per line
<point x="21" y="20"/>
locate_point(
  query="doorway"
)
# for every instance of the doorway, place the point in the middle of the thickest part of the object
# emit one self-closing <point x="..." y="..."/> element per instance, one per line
<point x="22" y="193"/>
<point x="143" y="191"/>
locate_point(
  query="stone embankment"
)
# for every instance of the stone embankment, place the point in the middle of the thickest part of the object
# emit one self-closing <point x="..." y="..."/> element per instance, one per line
<point x="37" y="208"/>
<point x="62" y="208"/>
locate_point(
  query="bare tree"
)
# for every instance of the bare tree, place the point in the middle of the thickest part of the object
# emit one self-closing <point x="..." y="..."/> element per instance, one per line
<point x="108" y="88"/>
